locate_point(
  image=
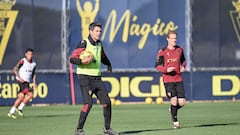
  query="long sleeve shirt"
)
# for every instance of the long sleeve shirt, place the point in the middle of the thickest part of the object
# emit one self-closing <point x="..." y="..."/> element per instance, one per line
<point x="170" y="58"/>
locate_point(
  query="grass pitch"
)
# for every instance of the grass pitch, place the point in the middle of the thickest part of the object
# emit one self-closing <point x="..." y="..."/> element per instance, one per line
<point x="195" y="119"/>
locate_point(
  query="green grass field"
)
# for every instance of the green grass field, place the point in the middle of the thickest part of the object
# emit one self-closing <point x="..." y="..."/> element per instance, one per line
<point x="195" y="119"/>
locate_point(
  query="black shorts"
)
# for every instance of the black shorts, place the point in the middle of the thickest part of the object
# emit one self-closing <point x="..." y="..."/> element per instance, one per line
<point x="175" y="89"/>
<point x="24" y="88"/>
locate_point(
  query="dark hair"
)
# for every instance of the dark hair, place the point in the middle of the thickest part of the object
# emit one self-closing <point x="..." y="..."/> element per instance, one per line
<point x="94" y="24"/>
<point x="29" y="50"/>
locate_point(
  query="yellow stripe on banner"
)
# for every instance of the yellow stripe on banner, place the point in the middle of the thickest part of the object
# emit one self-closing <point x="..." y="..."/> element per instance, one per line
<point x="12" y="15"/>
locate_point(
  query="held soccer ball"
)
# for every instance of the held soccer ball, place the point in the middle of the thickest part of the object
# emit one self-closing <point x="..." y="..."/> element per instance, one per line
<point x="85" y="54"/>
<point x="87" y="57"/>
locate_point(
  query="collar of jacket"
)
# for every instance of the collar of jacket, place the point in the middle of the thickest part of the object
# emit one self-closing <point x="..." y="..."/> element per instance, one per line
<point x="92" y="41"/>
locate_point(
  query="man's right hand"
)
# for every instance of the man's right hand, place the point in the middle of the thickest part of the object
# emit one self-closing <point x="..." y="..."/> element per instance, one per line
<point x="109" y="68"/>
<point x="20" y="80"/>
<point x="170" y="69"/>
<point x="87" y="60"/>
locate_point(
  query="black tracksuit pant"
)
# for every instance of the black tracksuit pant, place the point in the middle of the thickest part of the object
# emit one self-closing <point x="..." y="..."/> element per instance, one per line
<point x="94" y="85"/>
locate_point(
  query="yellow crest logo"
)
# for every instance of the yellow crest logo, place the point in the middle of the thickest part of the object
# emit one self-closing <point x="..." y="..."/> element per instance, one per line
<point x="87" y="14"/>
<point x="7" y="20"/>
<point x="235" y="17"/>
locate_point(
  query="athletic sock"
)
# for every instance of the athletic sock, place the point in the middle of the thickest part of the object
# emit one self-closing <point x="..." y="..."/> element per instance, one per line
<point x="174" y="113"/>
<point x="21" y="106"/>
<point x="12" y="111"/>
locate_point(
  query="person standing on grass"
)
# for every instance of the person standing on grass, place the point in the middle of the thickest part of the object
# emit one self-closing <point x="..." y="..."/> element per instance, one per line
<point x="89" y="75"/>
<point x="171" y="62"/>
<point x="24" y="72"/>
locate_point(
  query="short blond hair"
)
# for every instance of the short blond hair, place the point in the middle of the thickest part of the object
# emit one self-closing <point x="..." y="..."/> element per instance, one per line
<point x="170" y="32"/>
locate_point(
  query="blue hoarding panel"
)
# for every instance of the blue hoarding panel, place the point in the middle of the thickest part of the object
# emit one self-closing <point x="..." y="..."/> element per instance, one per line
<point x="51" y="88"/>
<point x="215" y="85"/>
<point x="127" y="87"/>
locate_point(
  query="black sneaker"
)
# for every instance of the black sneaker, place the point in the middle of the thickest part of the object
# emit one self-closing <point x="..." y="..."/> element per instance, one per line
<point x="109" y="132"/>
<point x="79" y="132"/>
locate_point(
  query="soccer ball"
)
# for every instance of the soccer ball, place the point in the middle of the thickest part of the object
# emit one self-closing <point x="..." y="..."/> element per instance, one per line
<point x="112" y="101"/>
<point x="118" y="102"/>
<point x="85" y="54"/>
<point x="159" y="100"/>
<point x="87" y="57"/>
<point x="148" y="100"/>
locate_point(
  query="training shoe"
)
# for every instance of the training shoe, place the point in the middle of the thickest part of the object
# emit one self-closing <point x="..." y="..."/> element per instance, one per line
<point x="20" y="112"/>
<point x="12" y="116"/>
<point x="109" y="132"/>
<point x="176" y="125"/>
<point x="79" y="132"/>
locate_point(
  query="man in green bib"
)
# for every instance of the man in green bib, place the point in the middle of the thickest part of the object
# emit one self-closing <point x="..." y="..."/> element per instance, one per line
<point x="89" y="75"/>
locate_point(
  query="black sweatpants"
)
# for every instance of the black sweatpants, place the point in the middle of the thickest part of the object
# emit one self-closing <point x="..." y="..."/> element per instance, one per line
<point x="94" y="85"/>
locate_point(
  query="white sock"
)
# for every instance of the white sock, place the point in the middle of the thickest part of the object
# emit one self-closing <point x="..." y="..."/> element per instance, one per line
<point x="12" y="111"/>
<point x="21" y="106"/>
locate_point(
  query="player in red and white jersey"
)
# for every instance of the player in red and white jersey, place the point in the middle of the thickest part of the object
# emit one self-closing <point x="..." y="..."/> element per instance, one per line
<point x="171" y="62"/>
<point x="25" y="72"/>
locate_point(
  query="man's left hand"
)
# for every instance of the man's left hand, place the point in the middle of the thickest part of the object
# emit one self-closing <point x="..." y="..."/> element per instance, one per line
<point x="182" y="69"/>
<point x="34" y="86"/>
<point x="109" y="68"/>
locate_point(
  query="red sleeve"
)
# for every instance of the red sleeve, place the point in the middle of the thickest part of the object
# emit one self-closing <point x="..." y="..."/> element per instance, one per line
<point x="80" y="48"/>
<point x="74" y="57"/>
<point x="160" y="63"/>
<point x="76" y="52"/>
<point x="20" y="63"/>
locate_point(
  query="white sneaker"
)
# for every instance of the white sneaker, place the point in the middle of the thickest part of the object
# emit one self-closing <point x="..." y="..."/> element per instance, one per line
<point x="12" y="116"/>
<point x="20" y="112"/>
<point x="79" y="132"/>
<point x="109" y="132"/>
<point x="176" y="125"/>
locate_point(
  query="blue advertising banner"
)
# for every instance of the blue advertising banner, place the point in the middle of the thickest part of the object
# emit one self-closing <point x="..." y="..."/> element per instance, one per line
<point x="131" y="34"/>
<point x="51" y="88"/>
<point x="133" y="86"/>
<point x="136" y="86"/>
<point x="216" y="85"/>
<point x="127" y="87"/>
